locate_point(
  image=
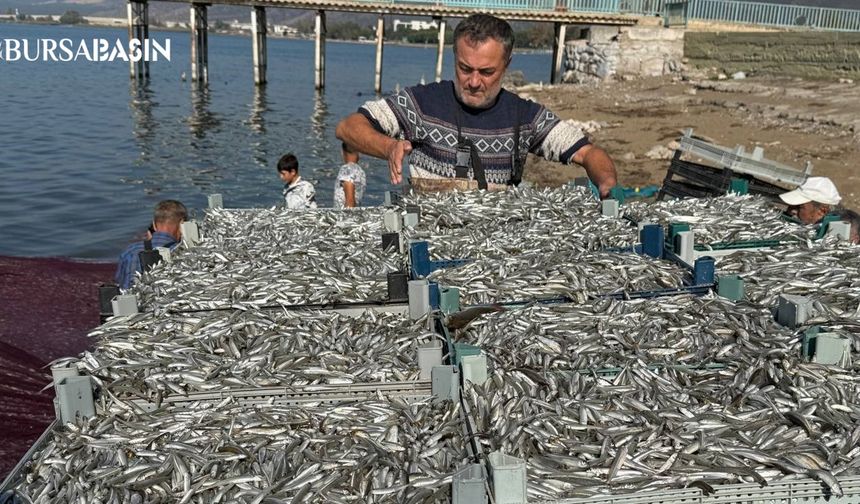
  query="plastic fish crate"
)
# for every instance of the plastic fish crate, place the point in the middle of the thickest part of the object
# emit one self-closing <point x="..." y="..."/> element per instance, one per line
<point x="14" y="475"/>
<point x="311" y="394"/>
<point x="348" y="309"/>
<point x="797" y="491"/>
<point x="739" y="161"/>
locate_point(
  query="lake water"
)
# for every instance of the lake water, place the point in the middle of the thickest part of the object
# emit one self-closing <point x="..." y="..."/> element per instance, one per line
<point x="85" y="153"/>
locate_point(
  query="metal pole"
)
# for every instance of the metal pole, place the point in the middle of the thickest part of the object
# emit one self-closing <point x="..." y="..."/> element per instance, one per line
<point x="319" y="51"/>
<point x="380" y="35"/>
<point x="204" y="42"/>
<point x="130" y="10"/>
<point x="199" y="44"/>
<point x="258" y="24"/>
<point x="138" y="28"/>
<point x="440" y="48"/>
<point x="558" y="52"/>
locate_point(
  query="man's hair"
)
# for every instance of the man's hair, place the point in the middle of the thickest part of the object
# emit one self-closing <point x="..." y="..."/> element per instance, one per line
<point x="170" y="211"/>
<point x="288" y="162"/>
<point x="478" y="28"/>
<point x="347" y="148"/>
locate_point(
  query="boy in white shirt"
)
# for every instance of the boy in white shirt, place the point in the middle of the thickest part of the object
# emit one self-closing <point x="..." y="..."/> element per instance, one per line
<point x="298" y="194"/>
<point x="351" y="181"/>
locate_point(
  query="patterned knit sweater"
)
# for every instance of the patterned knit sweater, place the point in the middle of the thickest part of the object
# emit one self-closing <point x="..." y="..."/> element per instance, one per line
<point x="428" y="116"/>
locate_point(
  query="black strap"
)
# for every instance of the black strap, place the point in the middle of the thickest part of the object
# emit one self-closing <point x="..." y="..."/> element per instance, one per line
<point x="516" y="163"/>
<point x="475" y="159"/>
<point x="148" y="257"/>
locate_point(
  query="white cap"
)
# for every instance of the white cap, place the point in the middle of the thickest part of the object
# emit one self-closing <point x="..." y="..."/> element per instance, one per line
<point x="818" y="189"/>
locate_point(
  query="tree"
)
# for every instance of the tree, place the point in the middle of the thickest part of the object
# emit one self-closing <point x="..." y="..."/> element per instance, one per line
<point x="349" y="30"/>
<point x="430" y="36"/>
<point x="10" y="11"/>
<point x="220" y="26"/>
<point x="72" y="17"/>
<point x="305" y="26"/>
<point x="539" y="35"/>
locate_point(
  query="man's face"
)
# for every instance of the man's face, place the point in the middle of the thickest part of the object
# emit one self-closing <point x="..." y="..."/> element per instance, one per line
<point x="808" y="213"/>
<point x="479" y="68"/>
<point x="287" y="176"/>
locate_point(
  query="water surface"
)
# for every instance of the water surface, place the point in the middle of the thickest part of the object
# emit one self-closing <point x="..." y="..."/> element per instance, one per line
<point x="86" y="153"/>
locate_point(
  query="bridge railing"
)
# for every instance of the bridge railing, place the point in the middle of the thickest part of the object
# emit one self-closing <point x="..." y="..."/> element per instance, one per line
<point x="730" y="11"/>
<point x="643" y="7"/>
<point x="609" y="6"/>
<point x="768" y="14"/>
<point x="530" y="5"/>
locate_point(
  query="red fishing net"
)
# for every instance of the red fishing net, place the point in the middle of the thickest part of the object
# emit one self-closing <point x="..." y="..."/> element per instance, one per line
<point x="47" y="306"/>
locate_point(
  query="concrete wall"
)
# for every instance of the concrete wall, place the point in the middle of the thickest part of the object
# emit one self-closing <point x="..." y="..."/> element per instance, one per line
<point x="823" y="55"/>
<point x="650" y="51"/>
<point x="601" y="52"/>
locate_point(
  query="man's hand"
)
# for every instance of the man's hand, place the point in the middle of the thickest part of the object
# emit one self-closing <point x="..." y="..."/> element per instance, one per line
<point x="357" y="131"/>
<point x="599" y="167"/>
<point x="395" y="154"/>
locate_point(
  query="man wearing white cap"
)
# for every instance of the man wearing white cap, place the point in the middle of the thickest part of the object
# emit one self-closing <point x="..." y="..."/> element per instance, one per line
<point x="814" y="199"/>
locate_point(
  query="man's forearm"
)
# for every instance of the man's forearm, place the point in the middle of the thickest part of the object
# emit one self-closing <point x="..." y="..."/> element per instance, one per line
<point x="600" y="169"/>
<point x="357" y="131"/>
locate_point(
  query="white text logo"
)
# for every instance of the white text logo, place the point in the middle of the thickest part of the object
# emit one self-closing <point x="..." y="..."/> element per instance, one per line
<point x="95" y="50"/>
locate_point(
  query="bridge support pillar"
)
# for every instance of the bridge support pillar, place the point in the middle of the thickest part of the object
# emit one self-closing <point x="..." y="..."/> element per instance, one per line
<point x="319" y="51"/>
<point x="138" y="29"/>
<point x="558" y="52"/>
<point x="380" y="35"/>
<point x="258" y="26"/>
<point x="440" y="49"/>
<point x="199" y="44"/>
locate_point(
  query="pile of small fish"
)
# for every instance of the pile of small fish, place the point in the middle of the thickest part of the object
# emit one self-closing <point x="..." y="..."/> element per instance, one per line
<point x="826" y="271"/>
<point x="649" y="429"/>
<point x="151" y="357"/>
<point x="605" y="334"/>
<point x="278" y="228"/>
<point x="573" y="237"/>
<point x="477" y="225"/>
<point x="367" y="451"/>
<point x="275" y="257"/>
<point x="540" y="275"/>
<point x="600" y="396"/>
<point x="729" y="218"/>
<point x="451" y="211"/>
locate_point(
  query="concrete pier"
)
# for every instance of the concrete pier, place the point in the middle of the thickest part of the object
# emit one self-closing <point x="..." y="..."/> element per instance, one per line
<point x="258" y="28"/>
<point x="440" y="50"/>
<point x="319" y="51"/>
<point x="558" y="52"/>
<point x="138" y="25"/>
<point x="380" y="36"/>
<point x="199" y="44"/>
<point x="138" y="28"/>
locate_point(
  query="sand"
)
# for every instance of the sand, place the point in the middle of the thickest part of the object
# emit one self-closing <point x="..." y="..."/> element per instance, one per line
<point x="794" y="121"/>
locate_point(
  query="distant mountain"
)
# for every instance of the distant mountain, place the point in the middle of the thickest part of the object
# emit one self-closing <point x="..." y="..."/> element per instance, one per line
<point x="170" y="11"/>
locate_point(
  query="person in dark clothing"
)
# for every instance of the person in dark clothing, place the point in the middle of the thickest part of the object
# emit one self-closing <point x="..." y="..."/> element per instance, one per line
<point x="469" y="132"/>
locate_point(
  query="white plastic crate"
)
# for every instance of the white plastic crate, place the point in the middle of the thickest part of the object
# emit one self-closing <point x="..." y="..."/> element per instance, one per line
<point x="797" y="491"/>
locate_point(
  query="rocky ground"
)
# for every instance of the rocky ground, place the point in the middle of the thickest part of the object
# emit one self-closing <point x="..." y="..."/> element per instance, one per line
<point x="794" y="121"/>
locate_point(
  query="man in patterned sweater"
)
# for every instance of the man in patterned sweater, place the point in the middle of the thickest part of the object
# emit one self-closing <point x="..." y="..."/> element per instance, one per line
<point x="471" y="133"/>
